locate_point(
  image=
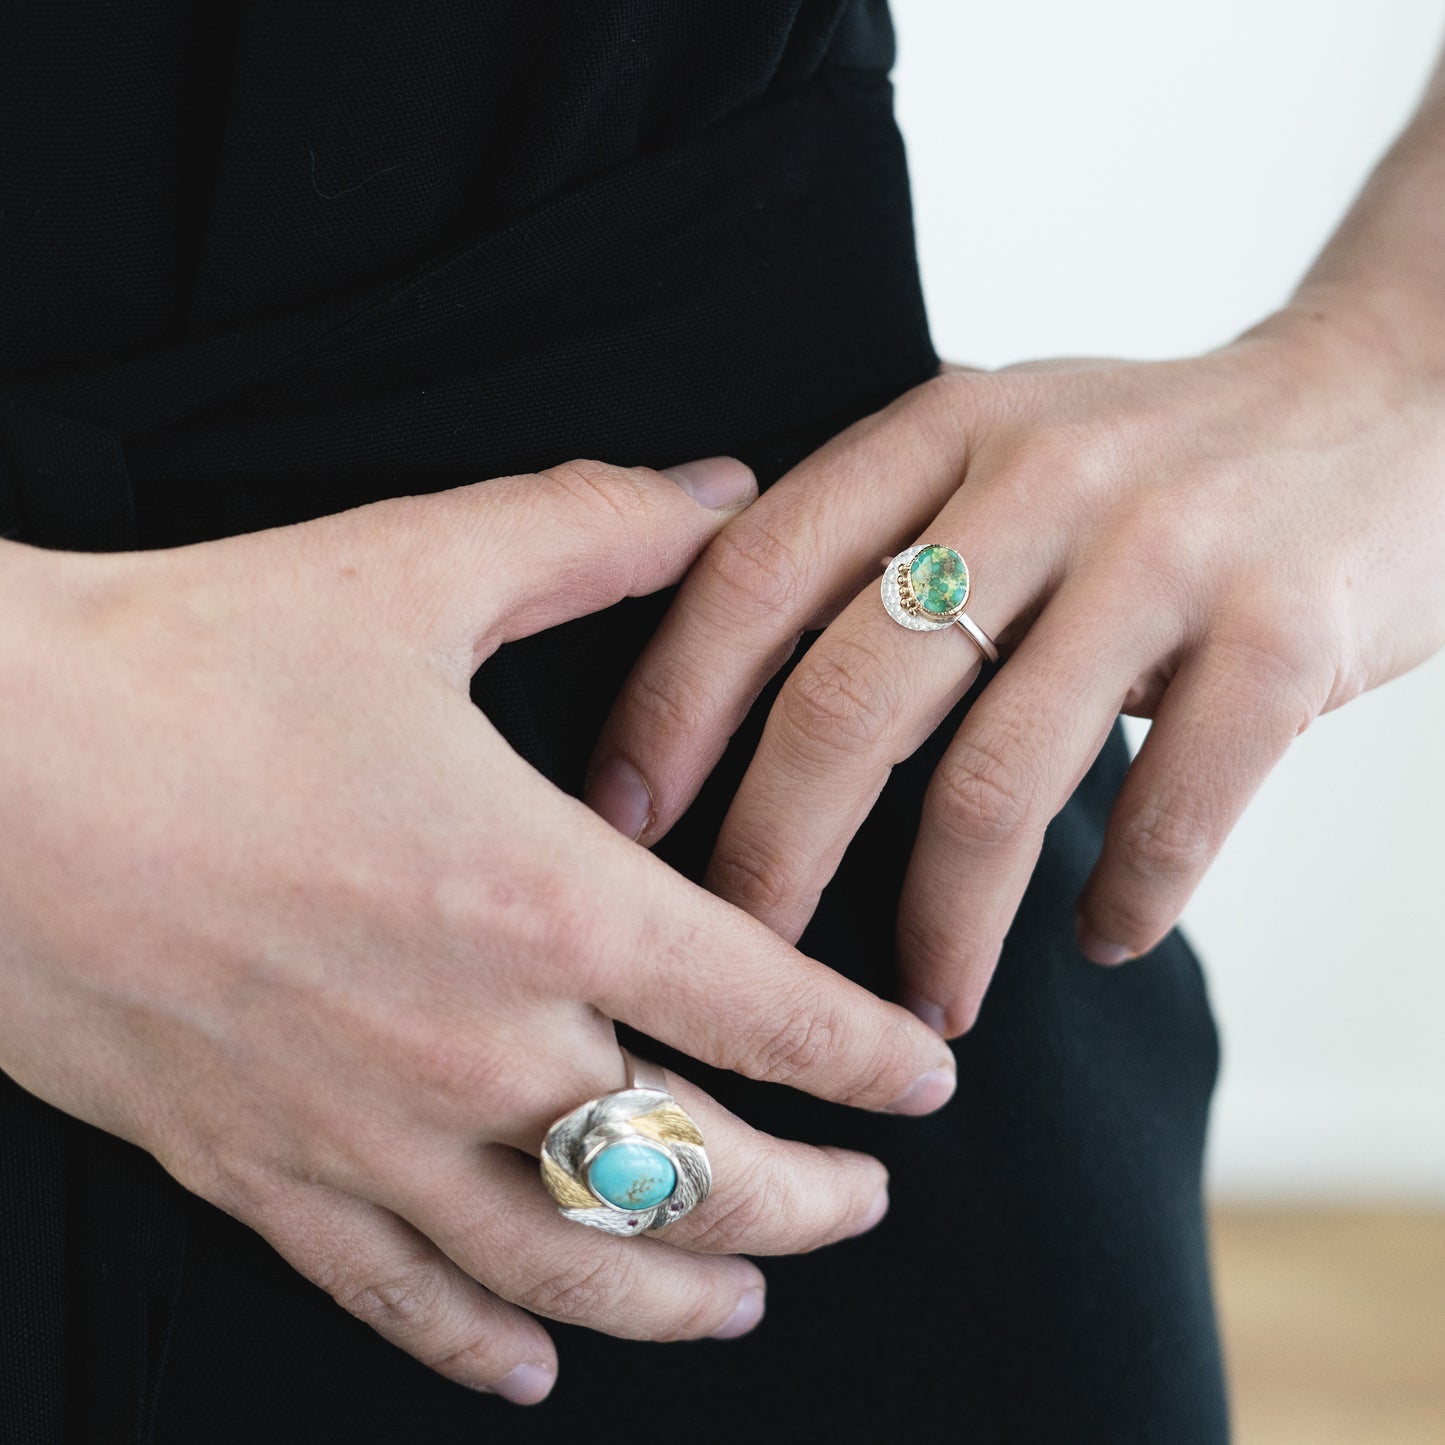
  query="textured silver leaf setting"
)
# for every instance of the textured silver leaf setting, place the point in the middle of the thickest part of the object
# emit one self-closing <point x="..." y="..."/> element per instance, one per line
<point x="576" y="1138"/>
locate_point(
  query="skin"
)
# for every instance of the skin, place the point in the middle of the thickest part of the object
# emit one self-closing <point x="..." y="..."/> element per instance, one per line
<point x="281" y="907"/>
<point x="1230" y="544"/>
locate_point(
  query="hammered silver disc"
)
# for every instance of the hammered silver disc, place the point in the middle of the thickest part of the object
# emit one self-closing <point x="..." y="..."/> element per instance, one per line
<point x="913" y="621"/>
<point x="647" y="1115"/>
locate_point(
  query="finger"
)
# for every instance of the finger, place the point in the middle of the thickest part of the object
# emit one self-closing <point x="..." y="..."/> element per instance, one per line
<point x="773" y="1196"/>
<point x="770" y="1196"/>
<point x="512" y="556"/>
<point x="688" y="969"/>
<point x="864" y="697"/>
<point x="1018" y="755"/>
<point x="1223" y="723"/>
<point x="487" y="1210"/>
<point x="639" y="942"/>
<point x="381" y="1270"/>
<point x="785" y="567"/>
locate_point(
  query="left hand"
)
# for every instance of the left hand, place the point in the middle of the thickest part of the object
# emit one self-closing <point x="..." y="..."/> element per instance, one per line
<point x="1230" y="544"/>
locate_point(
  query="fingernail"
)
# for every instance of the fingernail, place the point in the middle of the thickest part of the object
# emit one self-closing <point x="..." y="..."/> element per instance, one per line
<point x="926" y="1093"/>
<point x="748" y="1312"/>
<point x="925" y="1009"/>
<point x="876" y="1211"/>
<point x="716" y="482"/>
<point x="619" y="793"/>
<point x="526" y="1384"/>
<point x="1100" y="950"/>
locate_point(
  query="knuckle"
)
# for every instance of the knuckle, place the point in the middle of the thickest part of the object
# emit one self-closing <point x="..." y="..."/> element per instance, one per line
<point x="236" y="1184"/>
<point x="1051" y="460"/>
<point x="756" y="1203"/>
<point x="1166" y="836"/>
<point x="669" y="699"/>
<point x="580" y="1290"/>
<point x="540" y="916"/>
<point x="559" y="933"/>
<point x="460" y="1070"/>
<point x="1278" y="652"/>
<point x="410" y="1301"/>
<point x="805" y="1039"/>
<point x="1165" y="536"/>
<point x="835" y="699"/>
<point x="753" y="876"/>
<point x="196" y="1169"/>
<point x="601" y="486"/>
<point x="758" y="565"/>
<point x="956" y="399"/>
<point x="983" y="791"/>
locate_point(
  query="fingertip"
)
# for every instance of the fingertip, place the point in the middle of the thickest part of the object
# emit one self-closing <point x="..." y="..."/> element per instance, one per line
<point x="932" y="1014"/>
<point x="928" y="1092"/>
<point x="874" y="1216"/>
<point x="1098" y="949"/>
<point x="618" y="793"/>
<point x="962" y="1017"/>
<point x="745" y="1316"/>
<point x="718" y="483"/>
<point x="856" y="1159"/>
<point x="869" y="1189"/>
<point x="527" y="1384"/>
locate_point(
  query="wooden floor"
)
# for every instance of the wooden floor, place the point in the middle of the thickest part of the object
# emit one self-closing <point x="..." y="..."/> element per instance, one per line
<point x="1334" y="1325"/>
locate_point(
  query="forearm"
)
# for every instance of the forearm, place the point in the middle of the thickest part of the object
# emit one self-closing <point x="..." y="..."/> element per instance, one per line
<point x="1381" y="276"/>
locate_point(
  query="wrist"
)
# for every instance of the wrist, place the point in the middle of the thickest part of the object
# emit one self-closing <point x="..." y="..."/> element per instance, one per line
<point x="1392" y="331"/>
<point x="1360" y="344"/>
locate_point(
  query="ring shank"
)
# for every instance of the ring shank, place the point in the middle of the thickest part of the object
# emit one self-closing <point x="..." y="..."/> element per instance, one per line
<point x="978" y="636"/>
<point x="643" y="1073"/>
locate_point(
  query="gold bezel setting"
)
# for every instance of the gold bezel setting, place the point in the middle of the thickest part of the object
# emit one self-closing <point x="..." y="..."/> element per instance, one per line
<point x="902" y="603"/>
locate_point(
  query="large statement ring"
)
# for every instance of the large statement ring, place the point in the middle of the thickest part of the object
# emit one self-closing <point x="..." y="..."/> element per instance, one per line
<point x="628" y="1162"/>
<point x="927" y="587"/>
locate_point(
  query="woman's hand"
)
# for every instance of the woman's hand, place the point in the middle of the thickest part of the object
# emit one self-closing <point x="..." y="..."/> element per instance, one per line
<point x="1230" y="545"/>
<point x="280" y="906"/>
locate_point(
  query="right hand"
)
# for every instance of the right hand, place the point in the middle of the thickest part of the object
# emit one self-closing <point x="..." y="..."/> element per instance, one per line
<point x="280" y="906"/>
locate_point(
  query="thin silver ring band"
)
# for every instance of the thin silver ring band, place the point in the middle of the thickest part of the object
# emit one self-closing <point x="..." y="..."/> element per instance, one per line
<point x="977" y="636"/>
<point x="642" y="1073"/>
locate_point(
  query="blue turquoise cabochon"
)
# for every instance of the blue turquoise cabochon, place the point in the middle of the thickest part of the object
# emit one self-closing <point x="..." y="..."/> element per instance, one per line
<point x="632" y="1175"/>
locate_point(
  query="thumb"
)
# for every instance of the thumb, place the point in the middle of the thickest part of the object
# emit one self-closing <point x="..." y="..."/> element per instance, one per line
<point x="516" y="555"/>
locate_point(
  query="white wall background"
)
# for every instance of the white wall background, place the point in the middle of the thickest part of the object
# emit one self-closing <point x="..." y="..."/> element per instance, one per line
<point x="1141" y="179"/>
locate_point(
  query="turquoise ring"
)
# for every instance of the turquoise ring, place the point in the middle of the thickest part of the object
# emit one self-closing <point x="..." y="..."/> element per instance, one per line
<point x="926" y="588"/>
<point x="628" y="1162"/>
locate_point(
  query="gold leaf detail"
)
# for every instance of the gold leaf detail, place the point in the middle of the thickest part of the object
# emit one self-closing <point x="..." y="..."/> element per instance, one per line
<point x="564" y="1188"/>
<point x="668" y="1125"/>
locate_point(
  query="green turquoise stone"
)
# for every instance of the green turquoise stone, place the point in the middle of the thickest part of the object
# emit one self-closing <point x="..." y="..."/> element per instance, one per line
<point x="632" y="1175"/>
<point x="939" y="577"/>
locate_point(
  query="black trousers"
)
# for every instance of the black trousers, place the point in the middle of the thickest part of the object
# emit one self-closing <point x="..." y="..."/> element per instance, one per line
<point x="1043" y="1273"/>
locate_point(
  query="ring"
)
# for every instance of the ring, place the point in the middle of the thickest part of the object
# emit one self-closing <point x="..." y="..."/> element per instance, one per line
<point x="927" y="587"/>
<point x="628" y="1162"/>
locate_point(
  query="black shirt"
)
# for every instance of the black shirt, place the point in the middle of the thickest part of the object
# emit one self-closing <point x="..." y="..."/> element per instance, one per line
<point x="169" y="166"/>
<point x="260" y="262"/>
